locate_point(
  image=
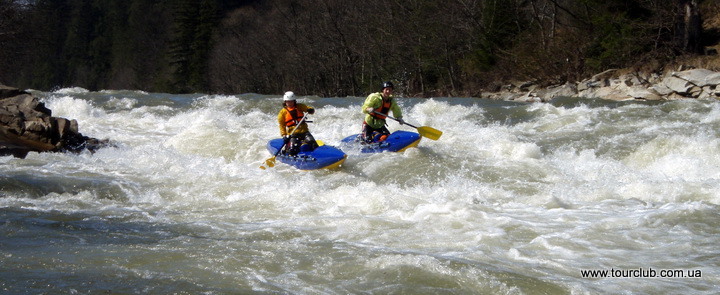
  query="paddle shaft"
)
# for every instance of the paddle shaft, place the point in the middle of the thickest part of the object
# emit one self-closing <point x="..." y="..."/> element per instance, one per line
<point x="291" y="133"/>
<point x="424" y="131"/>
<point x="396" y="119"/>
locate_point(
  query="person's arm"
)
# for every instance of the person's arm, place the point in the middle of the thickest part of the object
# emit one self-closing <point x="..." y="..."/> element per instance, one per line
<point x="281" y="122"/>
<point x="395" y="108"/>
<point x="306" y="108"/>
<point x="371" y="103"/>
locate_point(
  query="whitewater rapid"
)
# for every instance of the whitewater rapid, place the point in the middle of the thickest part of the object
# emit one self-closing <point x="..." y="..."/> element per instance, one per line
<point x="514" y="198"/>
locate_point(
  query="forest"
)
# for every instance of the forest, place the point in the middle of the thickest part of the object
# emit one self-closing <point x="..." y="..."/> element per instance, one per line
<point x="336" y="48"/>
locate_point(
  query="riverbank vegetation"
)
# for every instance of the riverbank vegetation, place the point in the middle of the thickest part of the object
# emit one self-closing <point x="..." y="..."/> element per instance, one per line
<point x="344" y="47"/>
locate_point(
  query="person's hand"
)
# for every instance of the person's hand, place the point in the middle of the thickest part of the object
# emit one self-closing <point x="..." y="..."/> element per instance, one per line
<point x="286" y="138"/>
<point x="311" y="111"/>
<point x="401" y="121"/>
<point x="369" y="110"/>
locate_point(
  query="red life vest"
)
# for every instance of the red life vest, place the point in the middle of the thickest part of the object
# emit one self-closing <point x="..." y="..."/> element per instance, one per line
<point x="383" y="109"/>
<point x="293" y="116"/>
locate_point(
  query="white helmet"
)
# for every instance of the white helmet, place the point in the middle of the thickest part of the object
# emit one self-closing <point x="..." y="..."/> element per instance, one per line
<point x="289" y="96"/>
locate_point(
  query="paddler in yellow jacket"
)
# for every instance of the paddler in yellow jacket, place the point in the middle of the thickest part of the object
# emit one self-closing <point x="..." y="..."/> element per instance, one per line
<point x="379" y="102"/>
<point x="290" y="115"/>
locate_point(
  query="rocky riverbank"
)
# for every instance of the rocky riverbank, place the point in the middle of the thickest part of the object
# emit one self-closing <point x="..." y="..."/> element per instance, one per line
<point x="622" y="85"/>
<point x="26" y="125"/>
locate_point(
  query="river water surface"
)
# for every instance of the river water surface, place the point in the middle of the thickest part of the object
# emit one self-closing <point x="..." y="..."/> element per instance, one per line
<point x="570" y="197"/>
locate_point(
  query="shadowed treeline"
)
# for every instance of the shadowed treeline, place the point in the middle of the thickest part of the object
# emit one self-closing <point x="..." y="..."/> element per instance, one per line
<point x="337" y="47"/>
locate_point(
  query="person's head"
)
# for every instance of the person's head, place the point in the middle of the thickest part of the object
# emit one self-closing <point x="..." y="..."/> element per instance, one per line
<point x="387" y="88"/>
<point x="289" y="99"/>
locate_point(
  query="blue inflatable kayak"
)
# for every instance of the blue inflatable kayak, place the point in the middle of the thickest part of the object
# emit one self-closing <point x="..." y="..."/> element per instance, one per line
<point x="323" y="157"/>
<point x="398" y="141"/>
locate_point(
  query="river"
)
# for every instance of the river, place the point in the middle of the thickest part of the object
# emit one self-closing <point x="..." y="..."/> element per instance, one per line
<point x="575" y="196"/>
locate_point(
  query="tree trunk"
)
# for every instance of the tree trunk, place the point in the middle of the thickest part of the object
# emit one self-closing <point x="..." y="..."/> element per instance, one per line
<point x="691" y="27"/>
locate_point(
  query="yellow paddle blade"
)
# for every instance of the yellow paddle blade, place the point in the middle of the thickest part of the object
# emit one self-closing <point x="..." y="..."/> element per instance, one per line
<point x="319" y="142"/>
<point x="269" y="162"/>
<point x="429" y="132"/>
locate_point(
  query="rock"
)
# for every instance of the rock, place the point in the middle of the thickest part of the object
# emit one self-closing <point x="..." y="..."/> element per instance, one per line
<point x="684" y="84"/>
<point x="661" y="89"/>
<point x="567" y="89"/>
<point x="529" y="97"/>
<point x="709" y="91"/>
<point x="526" y="86"/>
<point x="639" y="92"/>
<point x="612" y="94"/>
<point x="631" y="81"/>
<point x="699" y="77"/>
<point x="512" y="96"/>
<point x="582" y="86"/>
<point x="676" y="96"/>
<point x="6" y="91"/>
<point x="604" y="77"/>
<point x="26" y="125"/>
<point x="695" y="91"/>
<point x="676" y="84"/>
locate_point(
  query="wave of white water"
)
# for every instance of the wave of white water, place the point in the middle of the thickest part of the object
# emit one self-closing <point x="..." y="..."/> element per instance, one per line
<point x="514" y="198"/>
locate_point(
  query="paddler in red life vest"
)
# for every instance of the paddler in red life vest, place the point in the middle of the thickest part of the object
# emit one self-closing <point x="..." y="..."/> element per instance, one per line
<point x="288" y="119"/>
<point x="380" y="102"/>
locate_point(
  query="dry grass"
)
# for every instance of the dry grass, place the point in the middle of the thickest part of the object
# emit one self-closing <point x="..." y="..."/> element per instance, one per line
<point x="710" y="62"/>
<point x="710" y="11"/>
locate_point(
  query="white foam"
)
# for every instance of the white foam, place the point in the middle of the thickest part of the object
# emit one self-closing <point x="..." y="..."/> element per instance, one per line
<point x="541" y="195"/>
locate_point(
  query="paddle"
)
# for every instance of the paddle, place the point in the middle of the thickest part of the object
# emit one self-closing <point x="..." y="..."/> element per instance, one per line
<point x="425" y="131"/>
<point x="271" y="161"/>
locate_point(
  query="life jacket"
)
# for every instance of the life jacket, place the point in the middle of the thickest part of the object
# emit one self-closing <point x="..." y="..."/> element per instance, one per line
<point x="383" y="109"/>
<point x="293" y="117"/>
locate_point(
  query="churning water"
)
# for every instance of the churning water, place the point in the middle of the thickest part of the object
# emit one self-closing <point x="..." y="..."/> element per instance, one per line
<point x="569" y="197"/>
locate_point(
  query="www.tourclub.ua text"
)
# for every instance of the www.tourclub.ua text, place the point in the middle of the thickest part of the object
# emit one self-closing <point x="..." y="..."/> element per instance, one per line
<point x="641" y="273"/>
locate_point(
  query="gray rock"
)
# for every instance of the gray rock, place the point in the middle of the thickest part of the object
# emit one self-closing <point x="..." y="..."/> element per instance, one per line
<point x="640" y="92"/>
<point x="699" y="77"/>
<point x="676" y="84"/>
<point x="26" y="125"/>
<point x="567" y="89"/>
<point x="695" y="83"/>
<point x="661" y="89"/>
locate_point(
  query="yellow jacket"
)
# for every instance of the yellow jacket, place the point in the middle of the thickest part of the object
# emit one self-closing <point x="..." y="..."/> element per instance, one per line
<point x="284" y="116"/>
<point x="375" y="101"/>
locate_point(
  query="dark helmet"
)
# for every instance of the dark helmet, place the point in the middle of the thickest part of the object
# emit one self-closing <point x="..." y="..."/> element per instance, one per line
<point x="387" y="84"/>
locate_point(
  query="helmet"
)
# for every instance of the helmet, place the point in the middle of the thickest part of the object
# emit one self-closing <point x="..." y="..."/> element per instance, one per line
<point x="289" y="96"/>
<point x="387" y="84"/>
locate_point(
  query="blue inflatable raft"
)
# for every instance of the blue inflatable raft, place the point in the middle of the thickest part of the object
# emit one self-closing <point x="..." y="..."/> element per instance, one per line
<point x="323" y="157"/>
<point x="398" y="141"/>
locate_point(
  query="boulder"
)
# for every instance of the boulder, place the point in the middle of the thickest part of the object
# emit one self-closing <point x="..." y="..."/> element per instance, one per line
<point x="677" y="85"/>
<point x="612" y="94"/>
<point x="709" y="92"/>
<point x="567" y="89"/>
<point x="684" y="84"/>
<point x="604" y="77"/>
<point x="661" y="89"/>
<point x="699" y="77"/>
<point x="26" y="125"/>
<point x="640" y="92"/>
